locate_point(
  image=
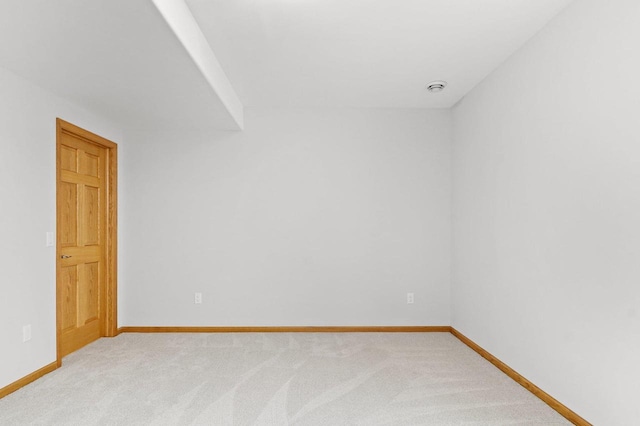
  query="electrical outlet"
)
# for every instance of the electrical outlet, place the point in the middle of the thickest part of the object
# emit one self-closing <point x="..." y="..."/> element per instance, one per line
<point x="26" y="333"/>
<point x="409" y="298"/>
<point x="198" y="298"/>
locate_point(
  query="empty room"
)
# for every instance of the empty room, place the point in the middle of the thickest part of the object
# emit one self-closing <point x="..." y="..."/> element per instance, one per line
<point x="319" y="212"/>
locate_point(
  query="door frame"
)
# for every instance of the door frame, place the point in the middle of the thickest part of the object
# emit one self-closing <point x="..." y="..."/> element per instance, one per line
<point x="109" y="317"/>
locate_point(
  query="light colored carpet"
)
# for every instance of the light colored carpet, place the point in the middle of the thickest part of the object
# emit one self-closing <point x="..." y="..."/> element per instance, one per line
<point x="276" y="379"/>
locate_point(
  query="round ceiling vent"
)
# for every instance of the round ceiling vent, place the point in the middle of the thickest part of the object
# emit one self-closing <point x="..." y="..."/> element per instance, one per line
<point x="436" y="86"/>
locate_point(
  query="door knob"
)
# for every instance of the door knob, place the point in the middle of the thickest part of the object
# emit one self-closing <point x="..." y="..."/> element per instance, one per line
<point x="65" y="256"/>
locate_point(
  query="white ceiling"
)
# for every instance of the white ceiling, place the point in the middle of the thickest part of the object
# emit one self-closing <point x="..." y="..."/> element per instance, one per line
<point x="364" y="53"/>
<point x="121" y="59"/>
<point x="116" y="57"/>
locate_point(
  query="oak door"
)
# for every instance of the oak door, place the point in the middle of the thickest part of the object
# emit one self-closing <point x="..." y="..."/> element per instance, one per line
<point x="81" y="232"/>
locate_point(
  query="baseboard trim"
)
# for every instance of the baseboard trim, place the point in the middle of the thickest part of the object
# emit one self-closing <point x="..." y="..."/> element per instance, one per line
<point x="562" y="409"/>
<point x="290" y="329"/>
<point x="10" y="388"/>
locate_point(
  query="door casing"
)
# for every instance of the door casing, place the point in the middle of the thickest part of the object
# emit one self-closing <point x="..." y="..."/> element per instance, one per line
<point x="109" y="319"/>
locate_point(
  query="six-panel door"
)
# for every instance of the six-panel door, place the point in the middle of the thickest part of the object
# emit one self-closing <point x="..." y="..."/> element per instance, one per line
<point x="81" y="239"/>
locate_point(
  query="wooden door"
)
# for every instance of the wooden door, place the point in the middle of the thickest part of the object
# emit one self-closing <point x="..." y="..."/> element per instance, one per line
<point x="82" y="250"/>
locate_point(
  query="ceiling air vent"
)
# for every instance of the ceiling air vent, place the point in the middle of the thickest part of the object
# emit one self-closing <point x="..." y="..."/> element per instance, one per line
<point x="436" y="86"/>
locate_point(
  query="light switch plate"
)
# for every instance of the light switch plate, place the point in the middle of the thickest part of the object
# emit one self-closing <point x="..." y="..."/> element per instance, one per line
<point x="50" y="240"/>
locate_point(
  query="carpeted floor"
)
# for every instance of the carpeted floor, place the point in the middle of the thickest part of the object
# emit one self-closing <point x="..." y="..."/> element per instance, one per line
<point x="276" y="379"/>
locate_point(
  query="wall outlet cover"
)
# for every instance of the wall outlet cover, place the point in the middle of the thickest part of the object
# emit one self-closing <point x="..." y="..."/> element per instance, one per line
<point x="26" y="333"/>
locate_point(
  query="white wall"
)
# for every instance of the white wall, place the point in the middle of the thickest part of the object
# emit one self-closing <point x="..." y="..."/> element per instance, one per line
<point x="27" y="211"/>
<point x="308" y="217"/>
<point x="546" y="211"/>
